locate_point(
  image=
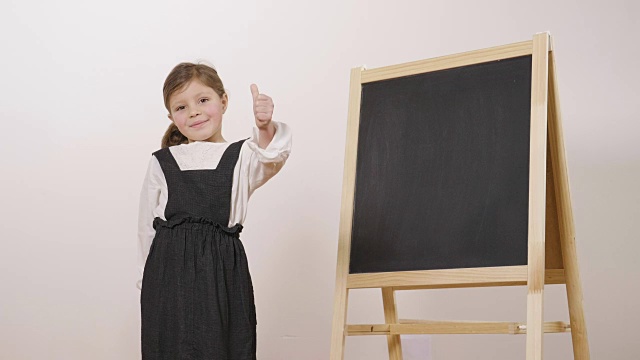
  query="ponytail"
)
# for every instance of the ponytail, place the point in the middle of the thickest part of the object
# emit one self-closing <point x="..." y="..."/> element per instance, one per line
<point x="173" y="136"/>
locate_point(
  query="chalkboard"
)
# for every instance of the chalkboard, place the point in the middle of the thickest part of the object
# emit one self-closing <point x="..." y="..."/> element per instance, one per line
<point x="442" y="173"/>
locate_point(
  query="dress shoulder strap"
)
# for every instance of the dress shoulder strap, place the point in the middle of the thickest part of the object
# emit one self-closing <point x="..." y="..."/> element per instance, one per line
<point x="230" y="156"/>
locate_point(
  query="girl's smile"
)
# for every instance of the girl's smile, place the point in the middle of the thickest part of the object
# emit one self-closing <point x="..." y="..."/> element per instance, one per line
<point x="198" y="124"/>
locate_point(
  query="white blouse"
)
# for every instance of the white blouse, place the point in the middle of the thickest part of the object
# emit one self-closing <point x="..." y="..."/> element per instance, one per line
<point x="255" y="167"/>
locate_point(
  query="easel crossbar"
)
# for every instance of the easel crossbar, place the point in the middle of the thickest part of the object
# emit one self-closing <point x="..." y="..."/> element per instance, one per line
<point x="413" y="327"/>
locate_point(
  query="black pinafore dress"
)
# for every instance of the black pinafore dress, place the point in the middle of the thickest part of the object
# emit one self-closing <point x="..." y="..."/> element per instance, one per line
<point x="197" y="296"/>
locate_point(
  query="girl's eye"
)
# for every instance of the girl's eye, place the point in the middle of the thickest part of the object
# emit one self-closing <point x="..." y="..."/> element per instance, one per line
<point x="203" y="100"/>
<point x="179" y="108"/>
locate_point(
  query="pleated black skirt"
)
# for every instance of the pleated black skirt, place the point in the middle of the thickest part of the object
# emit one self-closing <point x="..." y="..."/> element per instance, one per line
<point x="197" y="297"/>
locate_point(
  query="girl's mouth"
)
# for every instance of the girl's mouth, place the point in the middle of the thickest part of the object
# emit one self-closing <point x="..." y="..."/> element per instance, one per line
<point x="197" y="124"/>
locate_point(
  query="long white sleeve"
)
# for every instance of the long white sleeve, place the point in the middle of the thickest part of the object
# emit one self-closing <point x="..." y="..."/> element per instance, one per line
<point x="256" y="166"/>
<point x="150" y="197"/>
<point x="266" y="163"/>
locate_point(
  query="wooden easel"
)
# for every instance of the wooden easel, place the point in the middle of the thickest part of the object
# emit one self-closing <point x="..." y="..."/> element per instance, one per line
<point x="552" y="257"/>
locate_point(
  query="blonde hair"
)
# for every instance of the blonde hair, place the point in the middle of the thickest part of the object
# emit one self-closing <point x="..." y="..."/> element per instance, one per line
<point x="181" y="75"/>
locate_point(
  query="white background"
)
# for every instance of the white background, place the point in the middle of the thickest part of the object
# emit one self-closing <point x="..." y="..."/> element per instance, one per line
<point x="81" y="111"/>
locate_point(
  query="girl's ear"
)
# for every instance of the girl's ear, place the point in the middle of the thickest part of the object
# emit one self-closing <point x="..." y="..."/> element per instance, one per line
<point x="170" y="117"/>
<point x="225" y="102"/>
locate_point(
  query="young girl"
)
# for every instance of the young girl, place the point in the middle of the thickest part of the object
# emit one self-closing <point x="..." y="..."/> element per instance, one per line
<point x="197" y="297"/>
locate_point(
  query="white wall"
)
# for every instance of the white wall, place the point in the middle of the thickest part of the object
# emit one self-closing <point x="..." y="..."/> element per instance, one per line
<point x="81" y="111"/>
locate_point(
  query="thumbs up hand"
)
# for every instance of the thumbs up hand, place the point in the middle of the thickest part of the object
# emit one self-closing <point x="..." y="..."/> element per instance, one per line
<point x="262" y="108"/>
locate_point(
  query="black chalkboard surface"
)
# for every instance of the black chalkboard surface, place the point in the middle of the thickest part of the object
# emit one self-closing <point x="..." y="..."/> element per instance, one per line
<point x="442" y="170"/>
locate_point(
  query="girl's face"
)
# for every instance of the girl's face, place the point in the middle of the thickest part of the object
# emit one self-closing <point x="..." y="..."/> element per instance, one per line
<point x="197" y="112"/>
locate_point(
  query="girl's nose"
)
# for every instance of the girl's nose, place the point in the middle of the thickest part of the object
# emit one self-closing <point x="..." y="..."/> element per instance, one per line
<point x="194" y="112"/>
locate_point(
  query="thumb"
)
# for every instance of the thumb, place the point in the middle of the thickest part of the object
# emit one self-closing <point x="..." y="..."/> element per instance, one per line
<point x="254" y="91"/>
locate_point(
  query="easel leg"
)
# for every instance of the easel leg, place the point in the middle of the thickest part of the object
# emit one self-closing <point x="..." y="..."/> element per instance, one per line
<point x="537" y="195"/>
<point x="391" y="317"/>
<point x="576" y="311"/>
<point x="346" y="218"/>
<point x="339" y="322"/>
<point x="535" y="324"/>
<point x="565" y="222"/>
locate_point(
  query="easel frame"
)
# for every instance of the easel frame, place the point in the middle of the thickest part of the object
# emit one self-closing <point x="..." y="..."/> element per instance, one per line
<point x="552" y="257"/>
